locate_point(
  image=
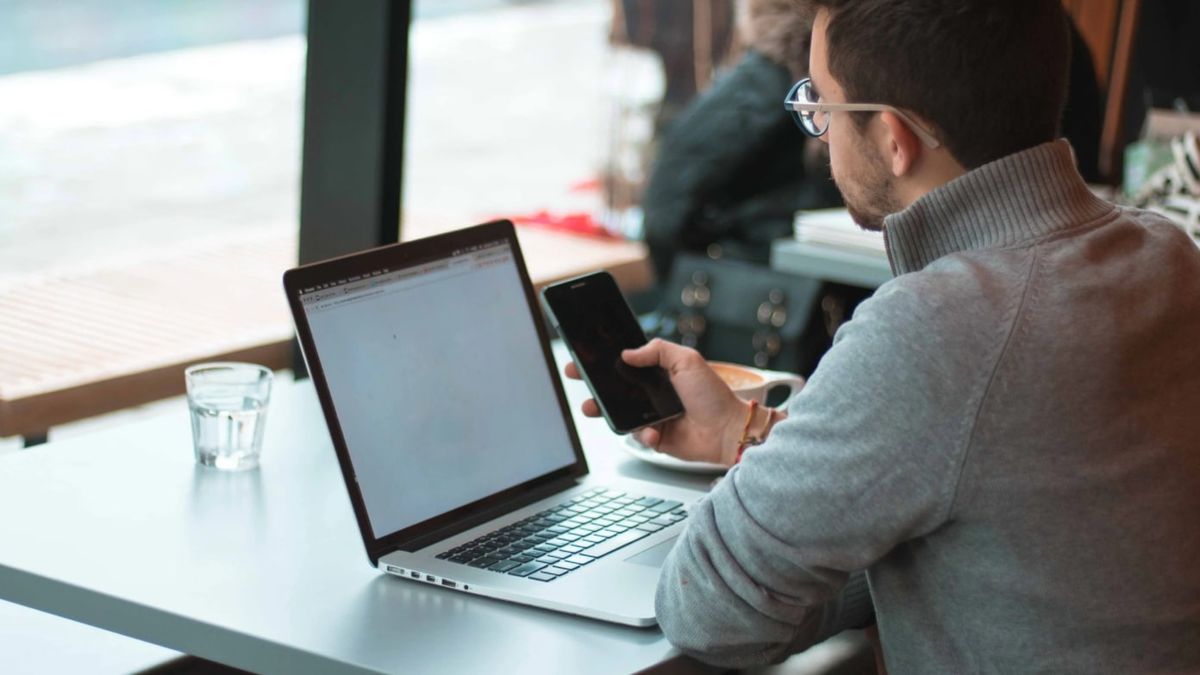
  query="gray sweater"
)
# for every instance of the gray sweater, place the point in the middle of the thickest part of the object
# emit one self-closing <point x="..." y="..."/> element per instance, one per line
<point x="1006" y="437"/>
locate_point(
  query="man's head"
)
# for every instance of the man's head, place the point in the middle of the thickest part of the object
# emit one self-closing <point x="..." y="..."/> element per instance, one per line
<point x="987" y="77"/>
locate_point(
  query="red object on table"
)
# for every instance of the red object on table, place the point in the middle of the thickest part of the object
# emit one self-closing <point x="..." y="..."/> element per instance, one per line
<point x="576" y="223"/>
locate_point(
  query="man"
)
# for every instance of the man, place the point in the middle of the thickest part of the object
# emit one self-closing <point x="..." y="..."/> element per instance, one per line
<point x="1005" y="437"/>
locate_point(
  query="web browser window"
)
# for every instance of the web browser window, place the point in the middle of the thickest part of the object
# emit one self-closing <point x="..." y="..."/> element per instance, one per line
<point x="439" y="383"/>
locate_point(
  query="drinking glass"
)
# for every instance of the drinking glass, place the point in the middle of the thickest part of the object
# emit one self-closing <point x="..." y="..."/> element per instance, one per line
<point x="228" y="402"/>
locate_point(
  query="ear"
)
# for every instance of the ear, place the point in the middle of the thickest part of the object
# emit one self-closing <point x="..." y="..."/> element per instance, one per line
<point x="903" y="147"/>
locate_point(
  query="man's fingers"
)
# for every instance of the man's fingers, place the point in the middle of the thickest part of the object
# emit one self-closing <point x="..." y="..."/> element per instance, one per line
<point x="571" y="371"/>
<point x="590" y="408"/>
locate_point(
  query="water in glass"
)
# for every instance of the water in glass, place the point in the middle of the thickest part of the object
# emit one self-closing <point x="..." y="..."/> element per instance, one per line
<point x="228" y="430"/>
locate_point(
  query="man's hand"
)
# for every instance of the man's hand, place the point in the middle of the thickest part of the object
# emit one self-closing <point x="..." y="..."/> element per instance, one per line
<point x="711" y="425"/>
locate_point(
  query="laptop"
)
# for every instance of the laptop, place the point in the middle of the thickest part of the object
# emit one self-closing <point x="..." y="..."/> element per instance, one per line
<point x="444" y="403"/>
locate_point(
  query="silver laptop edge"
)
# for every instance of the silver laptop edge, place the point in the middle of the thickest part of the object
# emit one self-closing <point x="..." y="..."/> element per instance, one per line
<point x="628" y="599"/>
<point x="616" y="587"/>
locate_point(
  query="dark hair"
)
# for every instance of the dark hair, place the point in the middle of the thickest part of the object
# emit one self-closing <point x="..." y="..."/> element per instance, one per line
<point x="990" y="75"/>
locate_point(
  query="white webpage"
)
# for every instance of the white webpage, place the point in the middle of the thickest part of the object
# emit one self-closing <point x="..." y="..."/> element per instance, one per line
<point x="440" y="385"/>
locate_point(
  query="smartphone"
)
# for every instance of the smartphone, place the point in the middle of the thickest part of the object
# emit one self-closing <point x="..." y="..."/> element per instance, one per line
<point x="595" y="322"/>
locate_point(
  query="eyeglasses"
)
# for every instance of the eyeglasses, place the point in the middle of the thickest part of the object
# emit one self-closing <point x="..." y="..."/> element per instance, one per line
<point x="812" y="116"/>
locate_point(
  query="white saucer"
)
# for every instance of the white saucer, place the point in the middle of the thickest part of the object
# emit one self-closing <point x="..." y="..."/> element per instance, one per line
<point x="645" y="454"/>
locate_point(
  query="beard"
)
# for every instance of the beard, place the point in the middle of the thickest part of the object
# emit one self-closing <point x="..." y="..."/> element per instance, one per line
<point x="868" y="190"/>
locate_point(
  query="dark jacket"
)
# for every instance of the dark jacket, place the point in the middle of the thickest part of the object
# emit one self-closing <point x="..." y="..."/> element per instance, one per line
<point x="730" y="170"/>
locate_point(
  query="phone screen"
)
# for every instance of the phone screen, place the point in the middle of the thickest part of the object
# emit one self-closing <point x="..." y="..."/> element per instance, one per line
<point x="596" y="323"/>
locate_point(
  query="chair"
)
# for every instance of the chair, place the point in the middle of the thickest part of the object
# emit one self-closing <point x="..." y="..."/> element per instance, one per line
<point x="1109" y="28"/>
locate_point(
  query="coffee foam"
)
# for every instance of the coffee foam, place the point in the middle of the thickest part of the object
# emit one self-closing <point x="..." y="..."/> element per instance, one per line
<point x="737" y="378"/>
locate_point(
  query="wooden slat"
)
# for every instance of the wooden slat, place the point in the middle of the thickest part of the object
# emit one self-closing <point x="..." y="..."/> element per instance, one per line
<point x="33" y="415"/>
<point x="79" y="344"/>
<point x="1109" y="27"/>
<point x="1112" y="140"/>
<point x="1097" y="23"/>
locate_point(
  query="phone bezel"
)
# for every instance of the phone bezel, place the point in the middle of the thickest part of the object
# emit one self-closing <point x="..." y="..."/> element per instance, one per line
<point x="565" y="286"/>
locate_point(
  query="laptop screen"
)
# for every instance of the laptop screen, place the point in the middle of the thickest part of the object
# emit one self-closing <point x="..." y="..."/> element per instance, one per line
<point x="439" y="382"/>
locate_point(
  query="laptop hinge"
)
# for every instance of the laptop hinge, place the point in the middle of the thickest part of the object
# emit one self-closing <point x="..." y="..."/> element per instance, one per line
<point x="509" y="506"/>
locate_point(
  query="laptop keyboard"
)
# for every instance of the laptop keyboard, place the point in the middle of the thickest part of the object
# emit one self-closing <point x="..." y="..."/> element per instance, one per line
<point x="560" y="540"/>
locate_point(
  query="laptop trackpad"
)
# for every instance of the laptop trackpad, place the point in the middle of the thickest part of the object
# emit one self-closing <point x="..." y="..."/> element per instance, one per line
<point x="655" y="555"/>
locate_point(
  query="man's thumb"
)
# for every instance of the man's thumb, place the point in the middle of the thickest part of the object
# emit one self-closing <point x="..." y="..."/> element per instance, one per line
<point x="649" y="354"/>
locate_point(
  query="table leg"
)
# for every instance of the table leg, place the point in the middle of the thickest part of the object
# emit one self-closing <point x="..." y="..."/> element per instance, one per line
<point x="30" y="440"/>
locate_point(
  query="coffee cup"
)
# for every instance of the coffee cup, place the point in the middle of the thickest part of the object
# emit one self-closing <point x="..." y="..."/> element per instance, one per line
<point x="753" y="384"/>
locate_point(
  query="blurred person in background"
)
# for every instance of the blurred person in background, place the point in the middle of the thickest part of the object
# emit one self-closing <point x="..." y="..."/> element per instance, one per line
<point x="731" y="170"/>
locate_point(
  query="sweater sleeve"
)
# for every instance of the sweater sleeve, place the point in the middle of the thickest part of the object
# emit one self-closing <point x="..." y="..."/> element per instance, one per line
<point x="868" y="458"/>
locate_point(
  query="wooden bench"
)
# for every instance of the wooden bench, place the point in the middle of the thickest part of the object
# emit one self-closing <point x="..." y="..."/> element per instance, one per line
<point x="92" y="341"/>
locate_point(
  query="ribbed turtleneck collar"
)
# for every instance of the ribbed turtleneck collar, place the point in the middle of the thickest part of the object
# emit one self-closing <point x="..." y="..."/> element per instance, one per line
<point x="1021" y="197"/>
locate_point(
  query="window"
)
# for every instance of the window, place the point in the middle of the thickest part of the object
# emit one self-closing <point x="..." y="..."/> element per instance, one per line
<point x="508" y="111"/>
<point x="141" y="125"/>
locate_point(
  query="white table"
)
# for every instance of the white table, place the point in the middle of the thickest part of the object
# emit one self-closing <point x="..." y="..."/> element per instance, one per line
<point x="830" y="263"/>
<point x="265" y="570"/>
